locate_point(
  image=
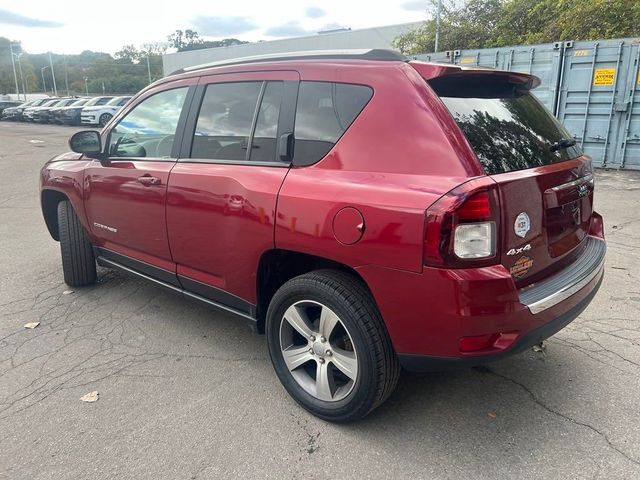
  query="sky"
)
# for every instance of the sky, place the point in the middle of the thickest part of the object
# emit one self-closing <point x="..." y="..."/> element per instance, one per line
<point x="71" y="26"/>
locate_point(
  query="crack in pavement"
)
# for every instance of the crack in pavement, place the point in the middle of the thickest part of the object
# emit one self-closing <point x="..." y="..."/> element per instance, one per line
<point x="553" y="411"/>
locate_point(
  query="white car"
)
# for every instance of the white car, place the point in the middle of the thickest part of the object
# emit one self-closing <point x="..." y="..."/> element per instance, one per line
<point x="101" y="114"/>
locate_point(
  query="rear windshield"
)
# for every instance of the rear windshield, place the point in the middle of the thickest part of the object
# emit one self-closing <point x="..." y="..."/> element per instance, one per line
<point x="510" y="130"/>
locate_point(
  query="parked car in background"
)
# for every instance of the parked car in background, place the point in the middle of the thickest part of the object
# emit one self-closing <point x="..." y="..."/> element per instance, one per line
<point x="72" y="115"/>
<point x="279" y="191"/>
<point x="101" y="114"/>
<point x="43" y="114"/>
<point x="15" y="113"/>
<point x="55" y="114"/>
<point x="8" y="104"/>
<point x="28" y="113"/>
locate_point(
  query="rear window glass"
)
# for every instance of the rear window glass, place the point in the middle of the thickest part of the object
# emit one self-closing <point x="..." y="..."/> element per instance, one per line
<point x="323" y="113"/>
<point x="511" y="131"/>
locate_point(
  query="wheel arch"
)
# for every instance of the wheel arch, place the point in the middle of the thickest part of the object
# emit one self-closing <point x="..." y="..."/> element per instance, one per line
<point x="49" y="200"/>
<point x="277" y="266"/>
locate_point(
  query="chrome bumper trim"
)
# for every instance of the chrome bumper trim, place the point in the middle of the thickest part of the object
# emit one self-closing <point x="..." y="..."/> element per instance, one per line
<point x="551" y="291"/>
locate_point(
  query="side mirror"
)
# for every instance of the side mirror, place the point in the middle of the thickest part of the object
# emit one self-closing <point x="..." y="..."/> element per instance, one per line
<point x="87" y="142"/>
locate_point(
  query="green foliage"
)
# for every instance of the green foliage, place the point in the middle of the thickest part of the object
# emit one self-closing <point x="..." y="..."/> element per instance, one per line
<point x="124" y="73"/>
<point x="497" y="23"/>
<point x="127" y="71"/>
<point x="190" y="40"/>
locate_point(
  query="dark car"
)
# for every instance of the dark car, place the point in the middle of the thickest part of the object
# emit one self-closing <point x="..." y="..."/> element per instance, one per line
<point x="28" y="114"/>
<point x="364" y="211"/>
<point x="46" y="114"/>
<point x="15" y="113"/>
<point x="8" y="104"/>
<point x="70" y="113"/>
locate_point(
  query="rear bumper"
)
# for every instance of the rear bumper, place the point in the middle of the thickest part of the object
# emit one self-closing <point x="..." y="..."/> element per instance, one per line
<point x="430" y="316"/>
<point x="426" y="363"/>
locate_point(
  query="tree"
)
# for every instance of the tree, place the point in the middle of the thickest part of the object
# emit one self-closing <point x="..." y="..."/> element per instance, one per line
<point x="497" y="23"/>
<point x="187" y="40"/>
<point x="183" y="40"/>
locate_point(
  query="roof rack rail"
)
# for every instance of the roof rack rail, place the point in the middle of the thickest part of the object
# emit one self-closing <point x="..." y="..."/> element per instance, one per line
<point x="348" y="54"/>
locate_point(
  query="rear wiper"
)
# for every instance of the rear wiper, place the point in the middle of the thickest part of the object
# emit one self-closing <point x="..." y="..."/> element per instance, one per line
<point x="562" y="143"/>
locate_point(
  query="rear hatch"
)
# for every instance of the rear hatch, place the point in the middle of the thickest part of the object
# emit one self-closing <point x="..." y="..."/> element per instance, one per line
<point x="545" y="183"/>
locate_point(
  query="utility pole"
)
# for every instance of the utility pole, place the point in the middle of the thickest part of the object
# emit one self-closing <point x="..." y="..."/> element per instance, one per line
<point x="86" y="85"/>
<point x="148" y="68"/>
<point x="24" y="86"/>
<point x="44" y="84"/>
<point x="438" y="15"/>
<point x="53" y="75"/>
<point x="13" y="64"/>
<point x="66" y="75"/>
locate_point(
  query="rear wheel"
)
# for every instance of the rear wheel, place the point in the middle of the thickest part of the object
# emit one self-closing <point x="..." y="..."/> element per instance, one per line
<point x="104" y="119"/>
<point x="329" y="346"/>
<point x="78" y="261"/>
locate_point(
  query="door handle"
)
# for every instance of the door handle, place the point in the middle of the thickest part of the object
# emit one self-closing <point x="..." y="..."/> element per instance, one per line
<point x="148" y="180"/>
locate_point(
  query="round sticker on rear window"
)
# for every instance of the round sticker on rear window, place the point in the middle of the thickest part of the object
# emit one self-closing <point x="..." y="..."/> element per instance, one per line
<point x="522" y="225"/>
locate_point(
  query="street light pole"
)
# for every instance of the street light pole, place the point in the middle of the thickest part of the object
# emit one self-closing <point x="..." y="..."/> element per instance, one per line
<point x="438" y="15"/>
<point x="148" y="69"/>
<point x="13" y="64"/>
<point x="53" y="75"/>
<point x="86" y="85"/>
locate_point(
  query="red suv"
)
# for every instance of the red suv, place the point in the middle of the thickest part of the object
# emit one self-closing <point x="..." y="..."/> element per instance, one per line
<point x="363" y="211"/>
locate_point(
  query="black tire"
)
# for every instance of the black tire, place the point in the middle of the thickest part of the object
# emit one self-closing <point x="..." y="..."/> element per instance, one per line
<point x="104" y="119"/>
<point x="78" y="261"/>
<point x="377" y="364"/>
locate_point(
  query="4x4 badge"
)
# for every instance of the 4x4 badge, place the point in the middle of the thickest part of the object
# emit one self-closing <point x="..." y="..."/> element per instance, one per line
<point x="522" y="225"/>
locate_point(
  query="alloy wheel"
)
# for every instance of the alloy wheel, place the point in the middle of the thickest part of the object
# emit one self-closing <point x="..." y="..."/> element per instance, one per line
<point x="318" y="350"/>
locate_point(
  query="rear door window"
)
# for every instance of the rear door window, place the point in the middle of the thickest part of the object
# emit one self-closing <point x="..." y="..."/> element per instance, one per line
<point x="230" y="125"/>
<point x="224" y="122"/>
<point x="263" y="146"/>
<point x="323" y="113"/>
<point x="509" y="130"/>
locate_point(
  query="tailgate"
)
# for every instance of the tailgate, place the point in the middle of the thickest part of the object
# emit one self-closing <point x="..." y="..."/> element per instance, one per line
<point x="545" y="183"/>
<point x="546" y="214"/>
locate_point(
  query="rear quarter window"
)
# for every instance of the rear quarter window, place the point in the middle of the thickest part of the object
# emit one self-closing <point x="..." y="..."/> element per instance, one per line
<point x="324" y="111"/>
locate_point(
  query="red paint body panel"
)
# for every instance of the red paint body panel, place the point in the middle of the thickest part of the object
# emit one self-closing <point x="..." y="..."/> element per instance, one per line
<point x="524" y="191"/>
<point x="220" y="221"/>
<point x="115" y="198"/>
<point x="427" y="313"/>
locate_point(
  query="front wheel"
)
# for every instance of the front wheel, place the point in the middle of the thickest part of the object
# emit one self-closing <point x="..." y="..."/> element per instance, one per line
<point x="78" y="261"/>
<point x="329" y="346"/>
<point x="104" y="119"/>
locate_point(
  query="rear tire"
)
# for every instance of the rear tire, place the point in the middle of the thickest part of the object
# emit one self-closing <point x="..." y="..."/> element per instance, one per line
<point x="78" y="261"/>
<point x="340" y="371"/>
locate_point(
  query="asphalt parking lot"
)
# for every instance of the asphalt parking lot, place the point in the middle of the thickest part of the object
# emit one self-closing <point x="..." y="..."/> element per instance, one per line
<point x="185" y="393"/>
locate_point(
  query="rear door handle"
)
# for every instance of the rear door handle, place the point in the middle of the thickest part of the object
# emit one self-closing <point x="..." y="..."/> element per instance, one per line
<point x="148" y="180"/>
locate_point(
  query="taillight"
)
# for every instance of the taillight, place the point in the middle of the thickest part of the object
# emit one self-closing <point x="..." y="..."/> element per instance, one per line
<point x="462" y="227"/>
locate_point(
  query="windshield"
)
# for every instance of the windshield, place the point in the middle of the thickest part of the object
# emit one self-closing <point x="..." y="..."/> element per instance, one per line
<point x="93" y="101"/>
<point x="77" y="103"/>
<point x="50" y="103"/>
<point x="512" y="132"/>
<point x="117" y="101"/>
